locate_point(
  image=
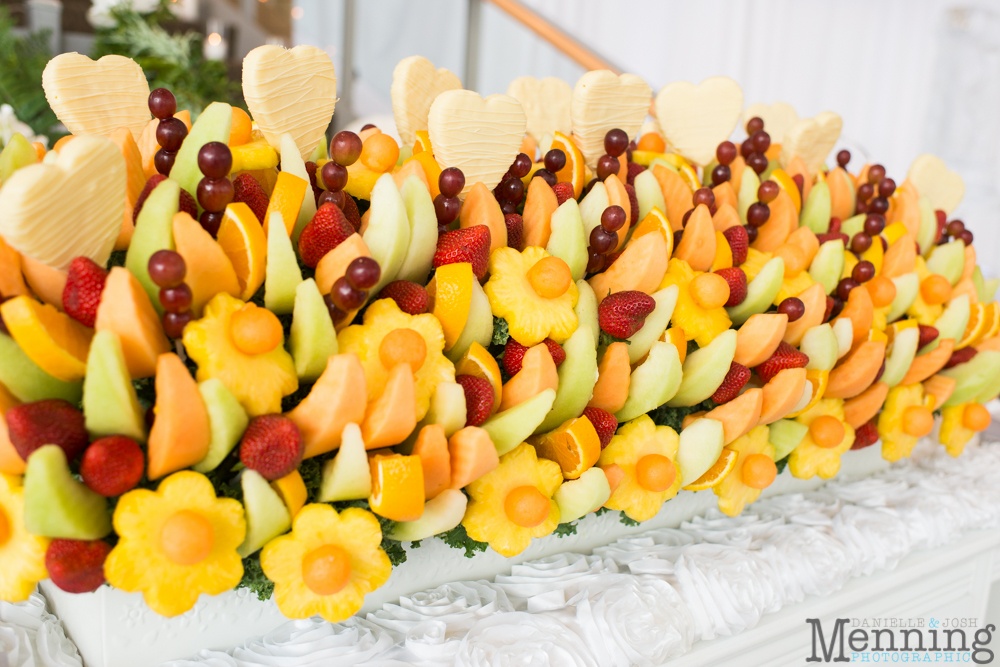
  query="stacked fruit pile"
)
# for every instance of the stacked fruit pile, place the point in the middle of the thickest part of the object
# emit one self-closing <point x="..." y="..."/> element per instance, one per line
<point x="227" y="373"/>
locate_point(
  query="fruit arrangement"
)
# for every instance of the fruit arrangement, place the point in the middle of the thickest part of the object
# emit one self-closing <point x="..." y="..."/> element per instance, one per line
<point x="244" y="356"/>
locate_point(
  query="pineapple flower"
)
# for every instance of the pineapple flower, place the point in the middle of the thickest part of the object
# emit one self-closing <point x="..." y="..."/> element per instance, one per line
<point x="820" y="449"/>
<point x="896" y="442"/>
<point x="642" y="456"/>
<point x="754" y="471"/>
<point x="22" y="555"/>
<point x="699" y="324"/>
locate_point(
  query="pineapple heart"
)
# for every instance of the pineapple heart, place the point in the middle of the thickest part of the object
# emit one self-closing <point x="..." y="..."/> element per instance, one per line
<point x="696" y="119"/>
<point x="602" y="102"/>
<point x="415" y="85"/>
<point x="812" y="139"/>
<point x="931" y="177"/>
<point x="546" y="104"/>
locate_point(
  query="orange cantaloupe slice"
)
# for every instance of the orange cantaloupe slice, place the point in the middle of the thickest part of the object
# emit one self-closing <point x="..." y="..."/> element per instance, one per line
<point x="148" y="147"/>
<point x="905" y="208"/>
<point x="940" y="387"/>
<point x="539" y="205"/>
<point x="676" y="195"/>
<point x="966" y="287"/>
<point x="900" y="258"/>
<point x="780" y="224"/>
<point x="641" y="266"/>
<point x="432" y="448"/>
<point x="126" y="310"/>
<point x="181" y="433"/>
<point x="725" y="217"/>
<point x="814" y="300"/>
<point x="334" y="263"/>
<point x="613" y="374"/>
<point x="209" y="270"/>
<point x="991" y="344"/>
<point x="759" y="337"/>
<point x="11" y="280"/>
<point x="805" y="240"/>
<point x="338" y="398"/>
<point x="736" y="168"/>
<point x="724" y="194"/>
<point x="410" y="168"/>
<point x="860" y="311"/>
<point x="11" y="462"/>
<point x="392" y="416"/>
<point x="782" y="394"/>
<point x="615" y="475"/>
<point x="538" y="373"/>
<point x="472" y="455"/>
<point x="798" y="166"/>
<point x="860" y="409"/>
<point x="47" y="283"/>
<point x="739" y="415"/>
<point x="842" y="199"/>
<point x="697" y="246"/>
<point x="482" y="208"/>
<point x="926" y="365"/>
<point x="857" y="372"/>
<point x="134" y="182"/>
<point x="970" y="263"/>
<point x="618" y="196"/>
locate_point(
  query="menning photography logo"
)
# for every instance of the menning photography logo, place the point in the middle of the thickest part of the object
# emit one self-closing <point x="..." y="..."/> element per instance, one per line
<point x="901" y="640"/>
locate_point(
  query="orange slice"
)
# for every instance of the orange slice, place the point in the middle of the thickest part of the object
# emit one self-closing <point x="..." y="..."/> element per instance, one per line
<point x="722" y="467"/>
<point x="574" y="171"/>
<point x="422" y="142"/>
<point x="974" y="330"/>
<point x="432" y="170"/>
<point x="785" y="182"/>
<point x="992" y="324"/>
<point x="479" y="363"/>
<point x="286" y="199"/>
<point x="292" y="489"/>
<point x="452" y="299"/>
<point x="397" y="487"/>
<point x="817" y="380"/>
<point x="242" y="239"/>
<point x="689" y="176"/>
<point x="57" y="343"/>
<point x="575" y="446"/>
<point x="656" y="221"/>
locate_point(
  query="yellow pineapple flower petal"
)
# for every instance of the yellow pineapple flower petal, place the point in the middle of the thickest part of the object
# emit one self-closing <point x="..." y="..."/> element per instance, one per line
<point x="258" y="381"/>
<point x="634" y="440"/>
<point x="699" y="324"/>
<point x="809" y="459"/>
<point x="896" y="443"/>
<point x="733" y="494"/>
<point x="22" y="555"/>
<point x="793" y="286"/>
<point x="953" y="434"/>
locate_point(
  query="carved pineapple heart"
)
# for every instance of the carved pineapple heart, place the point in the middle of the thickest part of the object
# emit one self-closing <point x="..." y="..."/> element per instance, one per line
<point x="546" y="104"/>
<point x="932" y="178"/>
<point x="70" y="208"/>
<point x="778" y="119"/>
<point x="811" y="139"/>
<point x="480" y="137"/>
<point x="97" y="97"/>
<point x="415" y="85"/>
<point x="696" y="119"/>
<point x="602" y="102"/>
<point x="291" y="91"/>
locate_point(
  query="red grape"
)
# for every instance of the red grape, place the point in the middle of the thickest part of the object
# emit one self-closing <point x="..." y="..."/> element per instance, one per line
<point x="760" y="140"/>
<point x="726" y="153"/>
<point x="547" y="176"/>
<point x="512" y="190"/>
<point x="767" y="192"/>
<point x="215" y="193"/>
<point x="863" y="271"/>
<point x="334" y="176"/>
<point x="615" y="142"/>
<point x="174" y="323"/>
<point x="878" y="205"/>
<point x="843" y="157"/>
<point x="720" y="174"/>
<point x="363" y="273"/>
<point x="164" y="161"/>
<point x="875" y="174"/>
<point x="966" y="237"/>
<point x="336" y="197"/>
<point x="793" y="307"/>
<point x="886" y="187"/>
<point x="555" y="159"/>
<point x="703" y="196"/>
<point x="844" y="288"/>
<point x="211" y="221"/>
<point x="521" y="165"/>
<point x="602" y="240"/>
<point x="861" y="242"/>
<point x="167" y="268"/>
<point x="447" y="209"/>
<point x="874" y="224"/>
<point x="451" y="181"/>
<point x="176" y="299"/>
<point x="508" y="207"/>
<point x="758" y="214"/>
<point x="865" y="191"/>
<point x="162" y="103"/>
<point x="955" y="227"/>
<point x="595" y="261"/>
<point x="751" y="233"/>
<point x="170" y="133"/>
<point x="215" y="159"/>
<point x="757" y="162"/>
<point x="345" y="148"/>
<point x="613" y="218"/>
<point x="346" y="297"/>
<point x="336" y="314"/>
<point x="755" y="124"/>
<point x="607" y="165"/>
<point x="746" y="148"/>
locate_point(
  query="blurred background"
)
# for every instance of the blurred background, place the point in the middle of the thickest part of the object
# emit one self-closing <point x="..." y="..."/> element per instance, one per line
<point x="907" y="76"/>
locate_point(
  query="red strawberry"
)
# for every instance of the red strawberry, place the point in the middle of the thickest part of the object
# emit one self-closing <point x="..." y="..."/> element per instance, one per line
<point x="830" y="303"/>
<point x="471" y="244"/>
<point x="478" y="398"/>
<point x="410" y="297"/>
<point x="834" y="227"/>
<point x="961" y="356"/>
<point x="564" y="192"/>
<point x="272" y="445"/>
<point x="513" y="355"/>
<point x="558" y="354"/>
<point x="153" y="181"/>
<point x="604" y="423"/>
<point x="866" y="435"/>
<point x="633" y="205"/>
<point x="187" y="204"/>
<point x="515" y="230"/>
<point x="737" y="280"/>
<point x="800" y="182"/>
<point x="351" y="212"/>
<point x="623" y="313"/>
<point x="942" y="221"/>
<point x="49" y="422"/>
<point x="832" y="236"/>
<point x="77" y="566"/>
<point x="84" y="286"/>
<point x="327" y="230"/>
<point x="784" y="357"/>
<point x="927" y="334"/>
<point x="634" y="169"/>
<point x="735" y="380"/>
<point x="881" y="369"/>
<point x="112" y="465"/>
<point x="247" y="190"/>
<point x="738" y="243"/>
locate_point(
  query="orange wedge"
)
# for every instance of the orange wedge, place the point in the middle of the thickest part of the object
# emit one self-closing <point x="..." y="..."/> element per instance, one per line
<point x="292" y="489"/>
<point x="242" y="129"/>
<point x="432" y="170"/>
<point x="785" y="182"/>
<point x="575" y="446"/>
<point x="992" y="324"/>
<point x="722" y="467"/>
<point x="689" y="176"/>
<point x="656" y="221"/>
<point x="452" y="299"/>
<point x="57" y="343"/>
<point x="397" y="487"/>
<point x="974" y="330"/>
<point x="817" y="380"/>
<point x="242" y="239"/>
<point x="422" y="142"/>
<point x="574" y="171"/>
<point x="478" y="362"/>
<point x="286" y="199"/>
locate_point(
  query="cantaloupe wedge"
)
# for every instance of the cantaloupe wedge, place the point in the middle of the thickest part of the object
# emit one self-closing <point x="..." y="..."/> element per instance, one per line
<point x="905" y="208"/>
<point x="11" y="281"/>
<point x="901" y="257"/>
<point x="482" y="208"/>
<point x="676" y="194"/>
<point x="725" y="217"/>
<point x="864" y="406"/>
<point x="926" y="365"/>
<point x="814" y="300"/>
<point x="126" y="310"/>
<point x="410" y="168"/>
<point x="798" y="166"/>
<point x="641" y="266"/>
<point x="992" y="344"/>
<point x="739" y="415"/>
<point x="805" y="240"/>
<point x="539" y="205"/>
<point x="209" y="270"/>
<point x="472" y="455"/>
<point x="782" y="394"/>
<point x="856" y="372"/>
<point x="724" y="194"/>
<point x="334" y="263"/>
<point x="135" y="180"/>
<point x="181" y="432"/>
<point x="941" y="387"/>
<point x="392" y="416"/>
<point x="967" y="287"/>
<point x="842" y="196"/>
<point x="147" y="148"/>
<point x="611" y="390"/>
<point x="538" y="373"/>
<point x="47" y="283"/>
<point x="860" y="311"/>
<point x="759" y="337"/>
<point x="697" y="246"/>
<point x="432" y="448"/>
<point x="779" y="226"/>
<point x="338" y="398"/>
<point x="615" y="475"/>
<point x="970" y="263"/>
<point x="618" y="196"/>
<point x="11" y="462"/>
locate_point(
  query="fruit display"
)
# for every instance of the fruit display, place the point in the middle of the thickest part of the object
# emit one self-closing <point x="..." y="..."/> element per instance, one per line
<point x="246" y="356"/>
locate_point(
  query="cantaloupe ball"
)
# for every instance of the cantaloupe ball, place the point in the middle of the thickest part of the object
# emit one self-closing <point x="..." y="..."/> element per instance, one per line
<point x="917" y="421"/>
<point x="655" y="472"/>
<point x="976" y="418"/>
<point x="380" y="153"/>
<point x="709" y="290"/>
<point x="826" y="431"/>
<point x="402" y="346"/>
<point x="759" y="471"/>
<point x="935" y="289"/>
<point x="526" y="506"/>
<point x="326" y="570"/>
<point x="550" y="277"/>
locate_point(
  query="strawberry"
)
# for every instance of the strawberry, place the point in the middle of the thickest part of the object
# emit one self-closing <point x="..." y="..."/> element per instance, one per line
<point x="564" y="192"/>
<point x="961" y="356"/>
<point x="410" y="297"/>
<point x="327" y="230"/>
<point x="558" y="354"/>
<point x="479" y="397"/>
<point x="927" y="334"/>
<point x="738" y="243"/>
<point x="800" y="181"/>
<point x="832" y="236"/>
<point x="633" y="205"/>
<point x="830" y="303"/>
<point x="941" y="218"/>
<point x="112" y="465"/>
<point x="604" y="423"/>
<point x="634" y="169"/>
<point x="77" y="566"/>
<point x="623" y="313"/>
<point x="515" y="230"/>
<point x="737" y="280"/>
<point x="834" y="227"/>
<point x="471" y="245"/>
<point x="735" y="379"/>
<point x="351" y="212"/>
<point x="84" y="286"/>
<point x="247" y="190"/>
<point x="186" y="203"/>
<point x="866" y="435"/>
<point x="514" y="354"/>
<point x="272" y="445"/>
<point x="784" y="357"/>
<point x="49" y="422"/>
